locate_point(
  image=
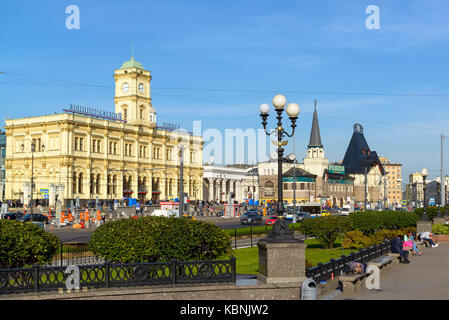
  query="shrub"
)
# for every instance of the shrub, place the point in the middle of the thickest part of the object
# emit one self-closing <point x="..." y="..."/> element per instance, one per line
<point x="440" y="228"/>
<point x="356" y="240"/>
<point x="24" y="244"/>
<point x="370" y="222"/>
<point x="150" y="239"/>
<point x="325" y="229"/>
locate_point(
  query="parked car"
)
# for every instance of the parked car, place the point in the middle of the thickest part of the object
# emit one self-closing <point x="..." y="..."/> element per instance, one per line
<point x="189" y="217"/>
<point x="250" y="217"/>
<point x="271" y="220"/>
<point x="13" y="215"/>
<point x="36" y="217"/>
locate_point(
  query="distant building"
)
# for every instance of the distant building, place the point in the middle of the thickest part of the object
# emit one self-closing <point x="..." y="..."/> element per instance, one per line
<point x="220" y="181"/>
<point x="393" y="187"/>
<point x="316" y="179"/>
<point x="414" y="190"/>
<point x="2" y="164"/>
<point x="365" y="166"/>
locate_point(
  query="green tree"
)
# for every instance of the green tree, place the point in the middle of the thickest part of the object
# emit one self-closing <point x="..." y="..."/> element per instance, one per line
<point x="325" y="229"/>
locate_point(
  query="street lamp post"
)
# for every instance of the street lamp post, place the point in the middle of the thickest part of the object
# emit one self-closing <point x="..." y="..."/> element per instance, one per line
<point x="424" y="174"/>
<point x="292" y="110"/>
<point x="33" y="149"/>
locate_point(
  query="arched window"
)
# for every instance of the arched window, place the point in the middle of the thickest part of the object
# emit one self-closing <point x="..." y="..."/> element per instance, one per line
<point x="74" y="180"/>
<point x="98" y="184"/>
<point x="80" y="183"/>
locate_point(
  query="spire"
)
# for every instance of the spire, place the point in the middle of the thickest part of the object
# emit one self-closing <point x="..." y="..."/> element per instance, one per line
<point x="315" y="137"/>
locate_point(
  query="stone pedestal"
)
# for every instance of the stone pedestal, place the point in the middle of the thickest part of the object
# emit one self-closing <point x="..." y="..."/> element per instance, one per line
<point x="423" y="226"/>
<point x="437" y="220"/>
<point x="281" y="262"/>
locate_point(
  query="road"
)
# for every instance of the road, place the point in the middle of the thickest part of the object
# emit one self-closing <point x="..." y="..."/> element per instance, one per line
<point x="83" y="235"/>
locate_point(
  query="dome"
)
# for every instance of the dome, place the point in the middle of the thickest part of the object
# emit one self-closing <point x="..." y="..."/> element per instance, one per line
<point x="132" y="64"/>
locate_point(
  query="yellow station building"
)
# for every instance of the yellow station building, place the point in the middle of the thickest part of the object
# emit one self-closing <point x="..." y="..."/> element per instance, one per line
<point x="87" y="154"/>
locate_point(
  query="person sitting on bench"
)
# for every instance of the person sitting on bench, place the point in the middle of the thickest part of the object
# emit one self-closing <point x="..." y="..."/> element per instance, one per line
<point x="396" y="247"/>
<point x="409" y="237"/>
<point x="428" y="236"/>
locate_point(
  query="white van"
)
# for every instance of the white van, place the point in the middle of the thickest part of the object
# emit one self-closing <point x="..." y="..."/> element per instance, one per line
<point x="163" y="213"/>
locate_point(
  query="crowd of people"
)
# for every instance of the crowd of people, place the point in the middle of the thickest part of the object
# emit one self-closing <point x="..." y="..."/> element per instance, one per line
<point x="406" y="244"/>
<point x="402" y="246"/>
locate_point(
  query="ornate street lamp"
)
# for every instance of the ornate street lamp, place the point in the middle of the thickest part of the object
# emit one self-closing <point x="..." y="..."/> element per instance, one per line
<point x="280" y="229"/>
<point x="424" y="174"/>
<point x="33" y="149"/>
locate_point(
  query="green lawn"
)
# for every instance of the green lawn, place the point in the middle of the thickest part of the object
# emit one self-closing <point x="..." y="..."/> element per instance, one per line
<point x="248" y="258"/>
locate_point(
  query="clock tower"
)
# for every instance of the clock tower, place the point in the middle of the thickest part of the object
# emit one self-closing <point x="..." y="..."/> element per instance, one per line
<point x="133" y="94"/>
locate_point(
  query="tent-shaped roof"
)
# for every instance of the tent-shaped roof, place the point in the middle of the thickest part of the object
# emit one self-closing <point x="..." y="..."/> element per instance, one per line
<point x="298" y="172"/>
<point x="315" y="137"/>
<point x="359" y="156"/>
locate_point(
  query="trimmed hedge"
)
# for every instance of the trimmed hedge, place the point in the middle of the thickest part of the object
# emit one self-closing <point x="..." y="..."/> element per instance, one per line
<point x="151" y="239"/>
<point x="369" y="222"/>
<point x="357" y="240"/>
<point x="23" y="244"/>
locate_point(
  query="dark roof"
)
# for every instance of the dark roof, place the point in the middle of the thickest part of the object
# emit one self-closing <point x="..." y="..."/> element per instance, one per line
<point x="337" y="176"/>
<point x="359" y="156"/>
<point x="298" y="172"/>
<point x="315" y="137"/>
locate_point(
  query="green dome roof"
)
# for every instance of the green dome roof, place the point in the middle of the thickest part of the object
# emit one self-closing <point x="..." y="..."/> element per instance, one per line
<point x="132" y="64"/>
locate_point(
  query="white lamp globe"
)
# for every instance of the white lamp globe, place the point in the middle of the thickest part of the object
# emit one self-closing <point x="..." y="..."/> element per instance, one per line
<point x="279" y="102"/>
<point x="264" y="108"/>
<point x="424" y="172"/>
<point x="293" y="110"/>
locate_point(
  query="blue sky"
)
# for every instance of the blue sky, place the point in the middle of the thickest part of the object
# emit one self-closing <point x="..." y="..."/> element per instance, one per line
<point x="303" y="49"/>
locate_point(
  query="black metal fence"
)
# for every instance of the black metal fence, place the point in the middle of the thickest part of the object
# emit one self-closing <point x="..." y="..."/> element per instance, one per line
<point x="108" y="275"/>
<point x="250" y="239"/>
<point x="74" y="253"/>
<point x="334" y="268"/>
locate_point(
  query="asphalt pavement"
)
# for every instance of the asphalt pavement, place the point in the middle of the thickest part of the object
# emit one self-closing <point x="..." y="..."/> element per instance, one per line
<point x="426" y="277"/>
<point x="67" y="234"/>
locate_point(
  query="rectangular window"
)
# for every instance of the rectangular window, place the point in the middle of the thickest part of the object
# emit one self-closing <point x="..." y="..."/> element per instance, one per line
<point x="76" y="144"/>
<point x="81" y="144"/>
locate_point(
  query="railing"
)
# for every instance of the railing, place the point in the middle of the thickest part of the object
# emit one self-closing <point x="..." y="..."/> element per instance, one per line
<point x="251" y="239"/>
<point x="325" y="272"/>
<point x="107" y="275"/>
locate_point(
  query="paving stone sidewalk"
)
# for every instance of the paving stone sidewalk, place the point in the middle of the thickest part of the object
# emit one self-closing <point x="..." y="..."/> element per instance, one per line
<point x="426" y="277"/>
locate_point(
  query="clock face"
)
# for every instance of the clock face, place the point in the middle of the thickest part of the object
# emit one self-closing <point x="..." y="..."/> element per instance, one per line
<point x="141" y="87"/>
<point x="125" y="87"/>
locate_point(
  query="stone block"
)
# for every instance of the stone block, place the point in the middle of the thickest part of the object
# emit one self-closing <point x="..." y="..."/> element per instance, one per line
<point x="281" y="262"/>
<point x="423" y="226"/>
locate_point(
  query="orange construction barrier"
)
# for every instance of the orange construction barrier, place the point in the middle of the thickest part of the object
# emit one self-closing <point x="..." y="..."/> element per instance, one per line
<point x="98" y="215"/>
<point x="49" y="214"/>
<point x="82" y="216"/>
<point x="87" y="216"/>
<point x="70" y="216"/>
<point x="62" y="216"/>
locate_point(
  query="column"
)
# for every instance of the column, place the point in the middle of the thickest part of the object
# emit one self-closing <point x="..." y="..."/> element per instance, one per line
<point x="223" y="194"/>
<point x="211" y="189"/>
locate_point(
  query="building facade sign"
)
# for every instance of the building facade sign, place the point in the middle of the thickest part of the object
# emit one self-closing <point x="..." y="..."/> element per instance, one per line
<point x="336" y="169"/>
<point x="96" y="113"/>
